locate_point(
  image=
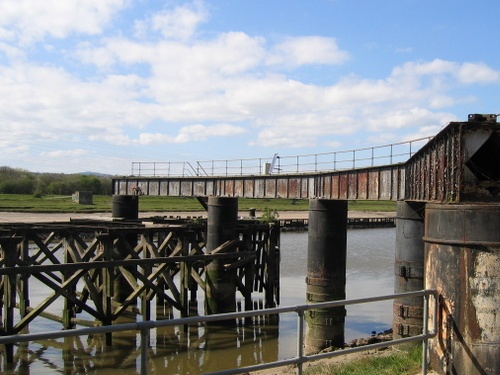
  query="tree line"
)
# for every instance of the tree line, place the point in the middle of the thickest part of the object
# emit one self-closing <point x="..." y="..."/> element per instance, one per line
<point x="20" y="181"/>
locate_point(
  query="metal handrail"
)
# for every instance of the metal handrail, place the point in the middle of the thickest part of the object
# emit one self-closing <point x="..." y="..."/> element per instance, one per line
<point x="325" y="161"/>
<point x="145" y="326"/>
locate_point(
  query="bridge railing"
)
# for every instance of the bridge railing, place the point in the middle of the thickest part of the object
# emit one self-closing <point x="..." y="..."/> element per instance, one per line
<point x="289" y="164"/>
<point x="163" y="168"/>
<point x="430" y="314"/>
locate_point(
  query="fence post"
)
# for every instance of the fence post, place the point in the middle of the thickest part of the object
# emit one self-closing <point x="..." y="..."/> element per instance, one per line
<point x="425" y="330"/>
<point x="300" y="340"/>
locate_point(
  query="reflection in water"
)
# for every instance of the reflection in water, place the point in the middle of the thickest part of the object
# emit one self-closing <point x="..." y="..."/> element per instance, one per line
<point x="181" y="350"/>
<point x="198" y="349"/>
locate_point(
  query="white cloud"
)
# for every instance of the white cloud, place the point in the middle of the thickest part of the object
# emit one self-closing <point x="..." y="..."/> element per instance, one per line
<point x="465" y="73"/>
<point x="65" y="153"/>
<point x="297" y="51"/>
<point x="179" y="23"/>
<point x="470" y="73"/>
<point x="32" y="20"/>
<point x="191" y="133"/>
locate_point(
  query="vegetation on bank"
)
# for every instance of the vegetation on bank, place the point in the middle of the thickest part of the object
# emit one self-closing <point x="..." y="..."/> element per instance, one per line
<point x="396" y="363"/>
<point x="20" y="181"/>
<point x="103" y="203"/>
<point x="21" y="190"/>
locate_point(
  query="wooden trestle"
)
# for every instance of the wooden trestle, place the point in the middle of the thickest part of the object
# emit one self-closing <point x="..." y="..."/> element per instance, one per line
<point x="94" y="273"/>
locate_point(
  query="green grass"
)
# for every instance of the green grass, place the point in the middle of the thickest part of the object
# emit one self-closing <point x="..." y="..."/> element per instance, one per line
<point x="396" y="363"/>
<point x="103" y="203"/>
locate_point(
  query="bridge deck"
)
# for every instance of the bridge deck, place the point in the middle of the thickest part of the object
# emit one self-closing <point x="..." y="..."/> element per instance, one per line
<point x="460" y="164"/>
<point x="374" y="183"/>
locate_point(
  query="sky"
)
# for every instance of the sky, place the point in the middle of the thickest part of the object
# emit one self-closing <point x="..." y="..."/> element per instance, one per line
<point x="94" y="85"/>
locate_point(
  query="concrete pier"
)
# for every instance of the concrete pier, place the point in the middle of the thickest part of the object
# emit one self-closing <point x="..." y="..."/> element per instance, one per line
<point x="408" y="270"/>
<point x="221" y="227"/>
<point x="124" y="207"/>
<point x="326" y="273"/>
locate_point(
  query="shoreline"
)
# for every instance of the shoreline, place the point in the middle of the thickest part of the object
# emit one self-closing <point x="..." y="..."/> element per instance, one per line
<point x="35" y="217"/>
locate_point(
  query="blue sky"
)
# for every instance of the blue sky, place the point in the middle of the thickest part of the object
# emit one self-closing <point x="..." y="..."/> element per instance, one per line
<point x="93" y="85"/>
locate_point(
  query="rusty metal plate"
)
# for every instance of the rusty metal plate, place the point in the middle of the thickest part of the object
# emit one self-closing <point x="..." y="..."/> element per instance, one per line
<point x="294" y="190"/>
<point x="270" y="188"/>
<point x="249" y="191"/>
<point x="282" y="187"/>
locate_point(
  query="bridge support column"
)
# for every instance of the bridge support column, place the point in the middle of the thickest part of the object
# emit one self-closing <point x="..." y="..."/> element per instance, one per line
<point x="462" y="261"/>
<point x="220" y="295"/>
<point x="8" y="247"/>
<point x="326" y="273"/>
<point x="124" y="207"/>
<point x="409" y="270"/>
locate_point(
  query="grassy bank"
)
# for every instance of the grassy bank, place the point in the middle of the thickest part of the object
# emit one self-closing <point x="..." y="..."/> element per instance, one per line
<point x="395" y="363"/>
<point x="103" y="203"/>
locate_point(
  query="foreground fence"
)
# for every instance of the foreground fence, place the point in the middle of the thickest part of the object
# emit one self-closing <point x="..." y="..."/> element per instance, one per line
<point x="145" y="327"/>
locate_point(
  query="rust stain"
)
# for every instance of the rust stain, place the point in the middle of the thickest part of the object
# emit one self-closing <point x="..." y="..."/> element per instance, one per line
<point x="282" y="187"/>
<point x="249" y="188"/>
<point x="294" y="190"/>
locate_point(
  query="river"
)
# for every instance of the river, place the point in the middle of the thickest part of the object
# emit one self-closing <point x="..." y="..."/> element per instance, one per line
<point x="370" y="272"/>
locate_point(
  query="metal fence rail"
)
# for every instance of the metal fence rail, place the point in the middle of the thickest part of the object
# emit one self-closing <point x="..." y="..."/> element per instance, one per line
<point x="328" y="161"/>
<point x="144" y="328"/>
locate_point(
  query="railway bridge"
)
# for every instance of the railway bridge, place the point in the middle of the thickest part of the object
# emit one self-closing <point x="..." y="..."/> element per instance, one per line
<point x="447" y="237"/>
<point x="459" y="164"/>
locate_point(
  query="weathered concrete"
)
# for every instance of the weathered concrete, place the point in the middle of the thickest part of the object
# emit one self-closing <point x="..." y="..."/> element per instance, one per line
<point x="462" y="261"/>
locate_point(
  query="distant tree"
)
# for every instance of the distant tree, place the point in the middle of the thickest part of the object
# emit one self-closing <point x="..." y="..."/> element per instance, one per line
<point x="19" y="181"/>
<point x="16" y="181"/>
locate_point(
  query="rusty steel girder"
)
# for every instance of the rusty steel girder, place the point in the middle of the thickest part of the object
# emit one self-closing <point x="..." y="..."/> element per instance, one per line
<point x="460" y="164"/>
<point x="372" y="183"/>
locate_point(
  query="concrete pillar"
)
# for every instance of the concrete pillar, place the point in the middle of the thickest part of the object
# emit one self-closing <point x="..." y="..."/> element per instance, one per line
<point x="409" y="270"/>
<point x="326" y="273"/>
<point x="221" y="227"/>
<point x="125" y="207"/>
<point x="462" y="262"/>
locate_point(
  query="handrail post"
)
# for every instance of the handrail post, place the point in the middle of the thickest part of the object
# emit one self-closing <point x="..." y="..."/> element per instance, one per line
<point x="144" y="350"/>
<point x="300" y="340"/>
<point x="425" y="331"/>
